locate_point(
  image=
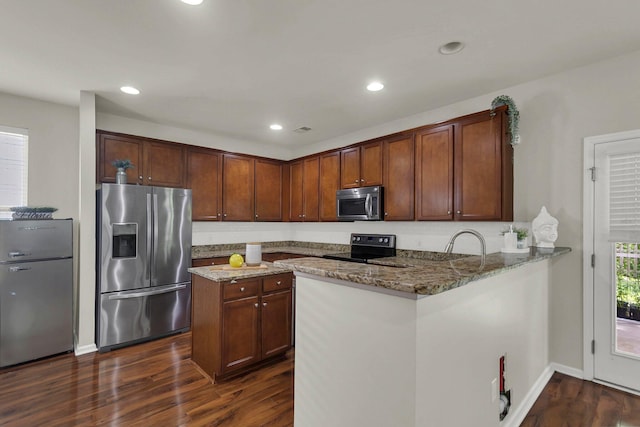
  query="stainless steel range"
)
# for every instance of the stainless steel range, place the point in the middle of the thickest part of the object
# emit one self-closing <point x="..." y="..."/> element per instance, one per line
<point x="367" y="246"/>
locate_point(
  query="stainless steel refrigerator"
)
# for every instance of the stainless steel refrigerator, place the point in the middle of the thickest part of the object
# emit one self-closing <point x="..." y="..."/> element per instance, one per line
<point x="143" y="255"/>
<point x="36" y="289"/>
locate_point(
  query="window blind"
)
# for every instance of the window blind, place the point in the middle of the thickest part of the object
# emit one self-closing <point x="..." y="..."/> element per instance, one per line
<point x="13" y="169"/>
<point x="624" y="197"/>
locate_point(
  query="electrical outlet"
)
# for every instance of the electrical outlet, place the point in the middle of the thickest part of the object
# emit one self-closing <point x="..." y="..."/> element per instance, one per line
<point x="494" y="390"/>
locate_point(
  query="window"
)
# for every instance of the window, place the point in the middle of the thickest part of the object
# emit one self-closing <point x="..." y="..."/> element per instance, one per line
<point x="13" y="169"/>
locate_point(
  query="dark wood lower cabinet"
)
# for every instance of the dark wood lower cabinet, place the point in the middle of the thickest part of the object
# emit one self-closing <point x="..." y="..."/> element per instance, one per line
<point x="240" y="325"/>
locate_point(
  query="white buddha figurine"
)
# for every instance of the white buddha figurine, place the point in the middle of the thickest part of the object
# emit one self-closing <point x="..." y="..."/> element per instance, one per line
<point x="545" y="229"/>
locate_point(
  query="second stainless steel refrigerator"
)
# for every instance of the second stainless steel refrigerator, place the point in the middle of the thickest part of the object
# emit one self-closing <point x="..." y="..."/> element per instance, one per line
<point x="143" y="254"/>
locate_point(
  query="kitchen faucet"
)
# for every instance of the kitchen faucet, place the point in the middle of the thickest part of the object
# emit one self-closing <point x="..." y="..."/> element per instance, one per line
<point x="449" y="248"/>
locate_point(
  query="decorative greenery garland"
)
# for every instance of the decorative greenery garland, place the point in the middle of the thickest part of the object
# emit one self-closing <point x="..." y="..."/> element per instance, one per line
<point x="514" y="115"/>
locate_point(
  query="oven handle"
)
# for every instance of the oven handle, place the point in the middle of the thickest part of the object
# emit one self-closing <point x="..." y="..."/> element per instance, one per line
<point x="368" y="205"/>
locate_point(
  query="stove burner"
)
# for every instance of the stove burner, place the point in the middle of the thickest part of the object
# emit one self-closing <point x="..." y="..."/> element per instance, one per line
<point x="367" y="246"/>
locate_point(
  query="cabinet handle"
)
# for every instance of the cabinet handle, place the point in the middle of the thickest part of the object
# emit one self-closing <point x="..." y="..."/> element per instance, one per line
<point x="140" y="177"/>
<point x="255" y="305"/>
<point x="256" y="215"/>
<point x="386" y="214"/>
<point x="278" y="282"/>
<point x="242" y="289"/>
<point x="448" y="212"/>
<point x="361" y="180"/>
<point x="233" y="281"/>
<point x="300" y="216"/>
<point x="356" y="181"/>
<point x="224" y="215"/>
<point x="458" y="212"/>
<point x="264" y="304"/>
<point x="213" y="263"/>
<point x="149" y="178"/>
<point x="218" y="214"/>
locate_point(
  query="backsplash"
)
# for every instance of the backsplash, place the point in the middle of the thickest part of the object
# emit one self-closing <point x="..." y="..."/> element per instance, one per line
<point x="411" y="235"/>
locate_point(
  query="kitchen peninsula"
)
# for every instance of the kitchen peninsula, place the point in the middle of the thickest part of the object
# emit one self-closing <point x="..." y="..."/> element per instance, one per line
<point x="416" y="342"/>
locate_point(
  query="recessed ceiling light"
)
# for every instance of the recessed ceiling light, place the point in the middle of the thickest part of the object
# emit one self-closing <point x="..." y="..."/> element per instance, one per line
<point x="451" y="48"/>
<point x="276" y="126"/>
<point x="130" y="90"/>
<point x="192" y="2"/>
<point x="375" y="86"/>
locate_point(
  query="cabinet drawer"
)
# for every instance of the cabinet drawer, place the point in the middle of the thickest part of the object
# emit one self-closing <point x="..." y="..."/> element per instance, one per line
<point x="277" y="282"/>
<point x="241" y="289"/>
<point x="203" y="262"/>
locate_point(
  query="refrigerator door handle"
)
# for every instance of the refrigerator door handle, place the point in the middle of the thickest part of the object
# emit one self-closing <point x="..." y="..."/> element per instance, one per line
<point x="147" y="267"/>
<point x="147" y="293"/>
<point x="154" y="275"/>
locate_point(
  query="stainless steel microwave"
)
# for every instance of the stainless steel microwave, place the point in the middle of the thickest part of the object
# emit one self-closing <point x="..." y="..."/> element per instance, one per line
<point x="360" y="204"/>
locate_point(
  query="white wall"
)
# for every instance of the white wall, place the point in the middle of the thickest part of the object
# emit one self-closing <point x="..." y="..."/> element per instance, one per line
<point x="53" y="150"/>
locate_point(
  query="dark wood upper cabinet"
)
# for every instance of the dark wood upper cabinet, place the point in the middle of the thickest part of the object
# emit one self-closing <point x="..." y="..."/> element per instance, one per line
<point x="329" y="184"/>
<point x="164" y="164"/>
<point x="118" y="147"/>
<point x="311" y="186"/>
<point x="398" y="154"/>
<point x="155" y="162"/>
<point x="304" y="187"/>
<point x="204" y="178"/>
<point x="237" y="188"/>
<point x="268" y="185"/>
<point x="434" y="174"/>
<point x="361" y="166"/>
<point x="483" y="168"/>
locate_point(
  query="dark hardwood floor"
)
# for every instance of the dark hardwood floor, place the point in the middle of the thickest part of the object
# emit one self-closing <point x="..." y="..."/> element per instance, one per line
<point x="571" y="402"/>
<point x="156" y="384"/>
<point x="150" y="384"/>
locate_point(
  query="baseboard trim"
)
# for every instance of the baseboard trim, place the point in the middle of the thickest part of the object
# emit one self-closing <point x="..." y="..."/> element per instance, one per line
<point x="568" y="370"/>
<point x="85" y="349"/>
<point x="518" y="415"/>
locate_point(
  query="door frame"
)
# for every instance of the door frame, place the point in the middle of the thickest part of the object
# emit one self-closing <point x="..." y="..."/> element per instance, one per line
<point x="588" y="247"/>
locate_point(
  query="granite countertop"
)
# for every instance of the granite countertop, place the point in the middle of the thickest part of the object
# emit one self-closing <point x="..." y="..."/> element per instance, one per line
<point x="299" y="248"/>
<point x="419" y="275"/>
<point x="217" y="274"/>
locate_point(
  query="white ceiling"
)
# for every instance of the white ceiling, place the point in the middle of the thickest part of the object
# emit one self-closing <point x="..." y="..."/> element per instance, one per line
<point x="232" y="67"/>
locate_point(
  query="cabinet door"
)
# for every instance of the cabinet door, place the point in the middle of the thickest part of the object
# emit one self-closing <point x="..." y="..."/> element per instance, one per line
<point x="276" y="323"/>
<point x="204" y="180"/>
<point x="240" y="333"/>
<point x="164" y="164"/>
<point x="350" y="167"/>
<point x="434" y="174"/>
<point x="116" y="147"/>
<point x="295" y="190"/>
<point x="398" y="179"/>
<point x="371" y="164"/>
<point x="268" y="178"/>
<point x="311" y="188"/>
<point x="329" y="184"/>
<point x="237" y="188"/>
<point x="478" y="168"/>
